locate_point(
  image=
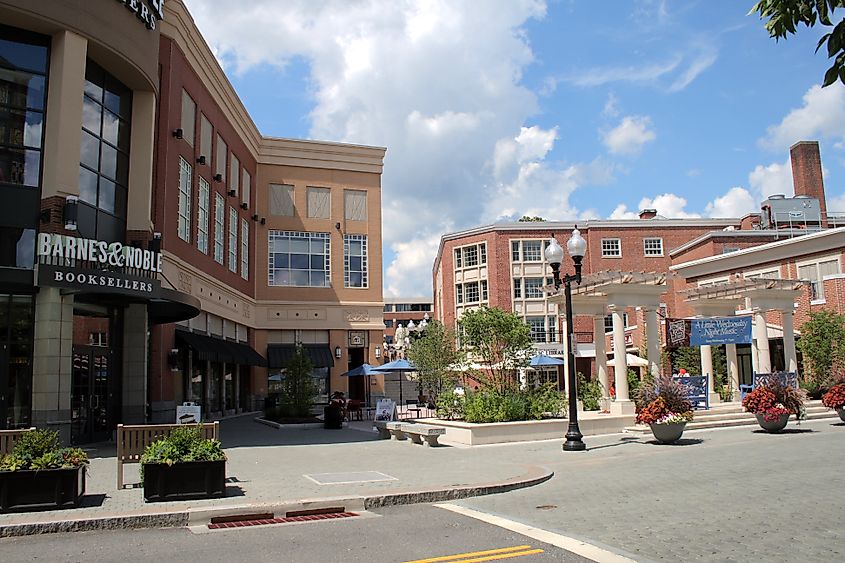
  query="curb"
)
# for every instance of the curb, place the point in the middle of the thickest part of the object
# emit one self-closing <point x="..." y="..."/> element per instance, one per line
<point x="202" y="516"/>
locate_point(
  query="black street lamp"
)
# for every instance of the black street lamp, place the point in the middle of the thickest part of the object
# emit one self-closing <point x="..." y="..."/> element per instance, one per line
<point x="577" y="247"/>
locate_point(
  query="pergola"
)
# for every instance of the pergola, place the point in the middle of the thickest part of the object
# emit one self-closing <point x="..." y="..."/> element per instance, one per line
<point x="759" y="295"/>
<point x="614" y="291"/>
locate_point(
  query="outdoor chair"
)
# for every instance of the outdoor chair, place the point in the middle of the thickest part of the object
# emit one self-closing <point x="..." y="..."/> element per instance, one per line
<point x="353" y="409"/>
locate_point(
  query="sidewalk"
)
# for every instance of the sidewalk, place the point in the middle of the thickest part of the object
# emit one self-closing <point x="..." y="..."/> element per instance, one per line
<point x="276" y="471"/>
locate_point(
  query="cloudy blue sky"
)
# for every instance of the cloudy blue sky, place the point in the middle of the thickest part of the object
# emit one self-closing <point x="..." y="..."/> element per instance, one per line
<point x="566" y="109"/>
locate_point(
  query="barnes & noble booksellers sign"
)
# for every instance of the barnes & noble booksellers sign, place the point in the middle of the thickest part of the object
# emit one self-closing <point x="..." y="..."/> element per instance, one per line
<point x="148" y="11"/>
<point x="96" y="266"/>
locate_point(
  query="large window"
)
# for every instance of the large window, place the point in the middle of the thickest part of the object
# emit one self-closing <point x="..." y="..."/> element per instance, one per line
<point x="184" y="223"/>
<point x="543" y="329"/>
<point x="219" y="227"/>
<point x="355" y="205"/>
<point x="299" y="259"/>
<point x="355" y="261"/>
<point x="233" y="239"/>
<point x="202" y="216"/>
<point x="471" y="292"/>
<point x="471" y="256"/>
<point x="104" y="154"/>
<point x="281" y="200"/>
<point x="220" y="158"/>
<point x="319" y="203"/>
<point x="534" y="288"/>
<point x="189" y="117"/>
<point x="527" y="250"/>
<point x="16" y="338"/>
<point x="815" y="273"/>
<point x="653" y="246"/>
<point x="206" y="135"/>
<point x="245" y="249"/>
<point x="23" y="95"/>
<point x="234" y="171"/>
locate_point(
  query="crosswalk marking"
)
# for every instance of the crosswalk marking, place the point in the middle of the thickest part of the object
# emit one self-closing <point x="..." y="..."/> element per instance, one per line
<point x="487" y="555"/>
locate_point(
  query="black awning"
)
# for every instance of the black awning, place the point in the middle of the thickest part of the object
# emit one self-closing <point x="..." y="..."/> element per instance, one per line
<point x="279" y="355"/>
<point x="216" y="349"/>
<point x="206" y="347"/>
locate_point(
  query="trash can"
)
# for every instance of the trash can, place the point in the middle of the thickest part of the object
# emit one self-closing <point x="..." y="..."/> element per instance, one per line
<point x="332" y="417"/>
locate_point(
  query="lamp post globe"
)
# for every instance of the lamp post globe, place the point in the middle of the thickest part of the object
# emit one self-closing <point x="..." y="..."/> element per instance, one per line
<point x="576" y="245"/>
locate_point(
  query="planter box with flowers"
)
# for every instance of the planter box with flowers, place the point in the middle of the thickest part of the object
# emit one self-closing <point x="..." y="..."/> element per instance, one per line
<point x="663" y="406"/>
<point x="773" y="402"/>
<point x="183" y="466"/>
<point x="835" y="399"/>
<point x="39" y="475"/>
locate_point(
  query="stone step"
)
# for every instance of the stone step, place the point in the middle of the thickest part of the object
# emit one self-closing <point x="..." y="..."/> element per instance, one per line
<point x="714" y="416"/>
<point x="739" y="419"/>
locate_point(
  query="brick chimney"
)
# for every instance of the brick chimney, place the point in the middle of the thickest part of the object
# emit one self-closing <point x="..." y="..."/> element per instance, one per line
<point x="807" y="173"/>
<point x="648" y="214"/>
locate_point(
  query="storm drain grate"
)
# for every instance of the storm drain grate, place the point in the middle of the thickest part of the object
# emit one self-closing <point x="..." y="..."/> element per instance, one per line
<point x="286" y="520"/>
<point x="350" y="477"/>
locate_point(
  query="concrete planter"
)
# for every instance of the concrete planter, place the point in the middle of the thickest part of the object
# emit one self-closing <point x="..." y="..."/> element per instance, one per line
<point x="841" y="412"/>
<point x="772" y="425"/>
<point x="188" y="480"/>
<point x="668" y="433"/>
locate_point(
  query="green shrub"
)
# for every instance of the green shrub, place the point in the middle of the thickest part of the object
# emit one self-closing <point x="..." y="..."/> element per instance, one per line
<point x="545" y="399"/>
<point x="36" y="443"/>
<point x="633" y="383"/>
<point x="39" y="449"/>
<point x="590" y="393"/>
<point x="450" y="405"/>
<point x="183" y="444"/>
<point x="513" y="404"/>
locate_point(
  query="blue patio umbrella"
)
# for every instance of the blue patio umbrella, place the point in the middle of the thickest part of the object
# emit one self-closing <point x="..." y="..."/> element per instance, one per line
<point x="362" y="370"/>
<point x="399" y="366"/>
<point x="541" y="360"/>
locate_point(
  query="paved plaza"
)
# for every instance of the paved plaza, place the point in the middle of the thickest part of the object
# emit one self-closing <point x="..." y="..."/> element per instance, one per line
<point x="733" y="494"/>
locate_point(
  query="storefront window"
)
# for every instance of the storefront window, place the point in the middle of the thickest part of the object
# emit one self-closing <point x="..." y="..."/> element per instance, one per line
<point x="230" y="387"/>
<point x="197" y="378"/>
<point x="214" y="387"/>
<point x="16" y="325"/>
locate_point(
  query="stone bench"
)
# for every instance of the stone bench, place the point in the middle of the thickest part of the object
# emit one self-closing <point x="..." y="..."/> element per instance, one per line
<point x="381" y="426"/>
<point x="396" y="430"/>
<point x="423" y="433"/>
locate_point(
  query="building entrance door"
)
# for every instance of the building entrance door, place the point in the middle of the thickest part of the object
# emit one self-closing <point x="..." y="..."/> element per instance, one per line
<point x="357" y="385"/>
<point x="89" y="398"/>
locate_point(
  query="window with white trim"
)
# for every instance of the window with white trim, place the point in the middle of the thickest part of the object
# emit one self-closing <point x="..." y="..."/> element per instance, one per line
<point x="281" y="200"/>
<point x="459" y="263"/>
<point x="538" y="328"/>
<point x="608" y="322"/>
<point x="233" y="239"/>
<point x="470" y="256"/>
<point x="514" y="251"/>
<point x="471" y="292"/>
<point x="184" y="221"/>
<point x="534" y="288"/>
<point x="653" y="246"/>
<point x="517" y="288"/>
<point x="816" y="272"/>
<point x="611" y="248"/>
<point x="299" y="259"/>
<point x="202" y="216"/>
<point x="245" y="249"/>
<point x="532" y="251"/>
<point x="355" y="261"/>
<point x="219" y="210"/>
<point x="355" y="205"/>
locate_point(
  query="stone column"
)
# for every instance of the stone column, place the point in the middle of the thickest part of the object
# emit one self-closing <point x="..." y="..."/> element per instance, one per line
<point x="52" y="355"/>
<point x="653" y="337"/>
<point x="707" y="369"/>
<point x="790" y="358"/>
<point x="601" y="354"/>
<point x="733" y="370"/>
<point x="134" y="381"/>
<point x="764" y="363"/>
<point x="622" y="404"/>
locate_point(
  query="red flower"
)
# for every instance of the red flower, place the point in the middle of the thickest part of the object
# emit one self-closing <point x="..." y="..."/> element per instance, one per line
<point x="835" y="398"/>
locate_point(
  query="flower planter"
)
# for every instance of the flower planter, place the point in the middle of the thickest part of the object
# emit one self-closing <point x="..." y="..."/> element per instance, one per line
<point x="189" y="480"/>
<point x="841" y="412"/>
<point x="772" y="425"/>
<point x="668" y="433"/>
<point x="43" y="489"/>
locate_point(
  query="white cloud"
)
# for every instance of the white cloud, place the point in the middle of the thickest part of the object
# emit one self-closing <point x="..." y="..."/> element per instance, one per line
<point x="821" y="116"/>
<point x="611" y="106"/>
<point x="668" y="205"/>
<point x="629" y="137"/>
<point x="638" y="74"/>
<point x="736" y="203"/>
<point x="701" y="63"/>
<point x="438" y="83"/>
<point x="622" y="212"/>
<point x="772" y="179"/>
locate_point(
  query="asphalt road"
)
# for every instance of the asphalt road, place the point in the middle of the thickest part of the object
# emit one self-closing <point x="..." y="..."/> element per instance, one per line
<point x="395" y="534"/>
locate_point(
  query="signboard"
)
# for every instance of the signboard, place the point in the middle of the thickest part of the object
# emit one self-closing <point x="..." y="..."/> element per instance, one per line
<point x="97" y="281"/>
<point x="188" y="413"/>
<point x="720" y="330"/>
<point x="357" y="338"/>
<point x="63" y="249"/>
<point x="708" y="332"/>
<point x="146" y="12"/>
<point x="385" y="410"/>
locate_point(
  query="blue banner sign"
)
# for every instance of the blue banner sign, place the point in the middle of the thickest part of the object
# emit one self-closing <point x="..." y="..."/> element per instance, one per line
<point x="720" y="330"/>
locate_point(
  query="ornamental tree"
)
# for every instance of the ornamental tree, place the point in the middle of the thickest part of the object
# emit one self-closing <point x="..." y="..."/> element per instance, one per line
<point x="435" y="353"/>
<point x="298" y="387"/>
<point x="499" y="341"/>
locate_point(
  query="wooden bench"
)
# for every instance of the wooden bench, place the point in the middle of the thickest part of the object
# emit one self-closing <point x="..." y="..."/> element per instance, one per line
<point x="786" y="378"/>
<point x="423" y="433"/>
<point x="133" y="439"/>
<point x="381" y="426"/>
<point x="9" y="437"/>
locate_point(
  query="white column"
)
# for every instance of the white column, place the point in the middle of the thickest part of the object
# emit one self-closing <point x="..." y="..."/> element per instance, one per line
<point x="707" y="364"/>
<point x="733" y="370"/>
<point x="653" y="336"/>
<point x="601" y="354"/>
<point x="622" y="404"/>
<point x="790" y="358"/>
<point x="764" y="364"/>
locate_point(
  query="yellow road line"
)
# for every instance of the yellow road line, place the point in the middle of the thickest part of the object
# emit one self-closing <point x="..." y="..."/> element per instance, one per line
<point x="502" y="556"/>
<point x="503" y="552"/>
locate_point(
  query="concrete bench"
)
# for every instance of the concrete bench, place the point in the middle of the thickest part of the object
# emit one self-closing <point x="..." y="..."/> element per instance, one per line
<point x="423" y="433"/>
<point x="133" y="439"/>
<point x="381" y="426"/>
<point x="396" y="430"/>
<point x="9" y="437"/>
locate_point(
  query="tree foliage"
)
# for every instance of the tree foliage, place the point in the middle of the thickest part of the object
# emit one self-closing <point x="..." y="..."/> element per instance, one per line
<point x="298" y="387"/>
<point x="435" y="353"/>
<point x="822" y="345"/>
<point x="529" y="219"/>
<point x="499" y="341"/>
<point x="784" y="17"/>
